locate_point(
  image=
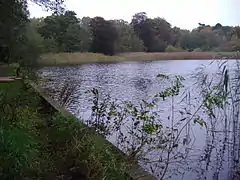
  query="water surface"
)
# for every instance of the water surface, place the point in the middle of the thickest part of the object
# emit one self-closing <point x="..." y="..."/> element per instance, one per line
<point x="209" y="152"/>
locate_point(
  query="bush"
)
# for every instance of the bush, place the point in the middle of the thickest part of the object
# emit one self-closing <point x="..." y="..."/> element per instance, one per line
<point x="38" y="144"/>
<point x="171" y="48"/>
<point x="216" y="50"/>
<point x="83" y="151"/>
<point x="198" y="50"/>
<point x="18" y="140"/>
<point x="236" y="46"/>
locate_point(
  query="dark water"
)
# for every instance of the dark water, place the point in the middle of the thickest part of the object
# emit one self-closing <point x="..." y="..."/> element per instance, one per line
<point x="208" y="152"/>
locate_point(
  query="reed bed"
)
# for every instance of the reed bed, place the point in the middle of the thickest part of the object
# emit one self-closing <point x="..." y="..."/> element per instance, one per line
<point x="82" y="58"/>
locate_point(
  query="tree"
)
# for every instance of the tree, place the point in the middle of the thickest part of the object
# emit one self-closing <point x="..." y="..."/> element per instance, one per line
<point x="127" y="41"/>
<point x="237" y="31"/>
<point x="85" y="23"/>
<point x="228" y="32"/>
<point x="192" y="41"/>
<point x="13" y="18"/>
<point x="53" y="5"/>
<point x="204" y="40"/>
<point x="162" y="29"/>
<point x="65" y="30"/>
<point x="176" y="35"/>
<point x="104" y="35"/>
<point x="155" y="33"/>
<point x="76" y="39"/>
<point x="32" y="33"/>
<point x="217" y="26"/>
<point x="142" y="27"/>
<point x="18" y="41"/>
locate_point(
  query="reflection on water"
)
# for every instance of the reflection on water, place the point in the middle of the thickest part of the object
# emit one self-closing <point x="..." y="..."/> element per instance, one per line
<point x="208" y="152"/>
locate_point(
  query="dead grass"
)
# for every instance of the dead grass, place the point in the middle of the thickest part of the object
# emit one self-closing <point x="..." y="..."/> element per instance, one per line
<point x="81" y="58"/>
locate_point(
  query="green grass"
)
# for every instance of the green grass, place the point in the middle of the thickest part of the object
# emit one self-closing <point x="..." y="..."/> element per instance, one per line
<point x="36" y="142"/>
<point x="81" y="58"/>
<point x="8" y="70"/>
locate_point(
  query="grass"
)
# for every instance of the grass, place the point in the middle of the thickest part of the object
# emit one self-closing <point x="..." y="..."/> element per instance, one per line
<point x="36" y="142"/>
<point x="8" y="70"/>
<point x="81" y="58"/>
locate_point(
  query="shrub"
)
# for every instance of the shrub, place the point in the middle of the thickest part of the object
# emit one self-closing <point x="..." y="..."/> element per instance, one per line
<point x="18" y="133"/>
<point x="39" y="145"/>
<point x="83" y="150"/>
<point x="197" y="50"/>
<point x="171" y="48"/>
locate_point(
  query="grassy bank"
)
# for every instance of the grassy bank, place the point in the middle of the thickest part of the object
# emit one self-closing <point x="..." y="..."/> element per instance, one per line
<point x="36" y="142"/>
<point x="81" y="58"/>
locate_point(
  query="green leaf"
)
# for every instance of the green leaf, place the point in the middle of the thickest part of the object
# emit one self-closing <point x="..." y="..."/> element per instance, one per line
<point x="150" y="128"/>
<point x="199" y="121"/>
<point x="163" y="76"/>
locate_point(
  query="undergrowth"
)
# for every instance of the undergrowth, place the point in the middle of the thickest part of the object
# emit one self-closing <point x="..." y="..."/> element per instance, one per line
<point x="38" y="144"/>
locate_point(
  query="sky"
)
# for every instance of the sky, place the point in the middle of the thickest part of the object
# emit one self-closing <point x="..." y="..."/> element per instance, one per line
<point x="185" y="14"/>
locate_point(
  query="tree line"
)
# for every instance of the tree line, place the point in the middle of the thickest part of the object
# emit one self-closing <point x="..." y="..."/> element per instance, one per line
<point x="63" y="31"/>
<point x="67" y="33"/>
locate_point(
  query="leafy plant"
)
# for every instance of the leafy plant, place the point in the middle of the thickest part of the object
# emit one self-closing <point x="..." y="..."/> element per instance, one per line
<point x="139" y="128"/>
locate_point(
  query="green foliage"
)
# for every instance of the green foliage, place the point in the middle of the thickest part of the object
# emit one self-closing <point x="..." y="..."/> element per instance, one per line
<point x="173" y="90"/>
<point x="139" y="127"/>
<point x="13" y="17"/>
<point x="90" y="153"/>
<point x="36" y="144"/>
<point x="171" y="48"/>
<point x="128" y="41"/>
<point x="192" y="41"/>
<point x="163" y="76"/>
<point x="76" y="39"/>
<point x="18" y="142"/>
<point x="53" y="5"/>
<point x="237" y="31"/>
<point x="104" y="36"/>
<point x="23" y="41"/>
<point x="34" y="38"/>
<point x="64" y="30"/>
<point x="197" y="50"/>
<point x="149" y="31"/>
<point x="110" y="117"/>
<point x="236" y="45"/>
<point x="17" y="150"/>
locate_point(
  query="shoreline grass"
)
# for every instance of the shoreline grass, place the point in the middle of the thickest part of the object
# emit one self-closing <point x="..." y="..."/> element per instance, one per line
<point x="78" y="58"/>
<point x="47" y="145"/>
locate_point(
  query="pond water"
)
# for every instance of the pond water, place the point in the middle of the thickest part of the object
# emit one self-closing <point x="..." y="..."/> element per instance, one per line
<point x="210" y="151"/>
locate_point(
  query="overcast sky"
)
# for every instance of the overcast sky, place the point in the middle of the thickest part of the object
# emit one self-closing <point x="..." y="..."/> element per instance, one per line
<point x="182" y="13"/>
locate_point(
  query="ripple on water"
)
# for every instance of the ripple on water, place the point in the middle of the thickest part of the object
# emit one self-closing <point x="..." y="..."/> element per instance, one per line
<point x="209" y="154"/>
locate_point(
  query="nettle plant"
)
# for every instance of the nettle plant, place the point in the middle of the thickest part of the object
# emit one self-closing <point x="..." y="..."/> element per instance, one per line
<point x="140" y="130"/>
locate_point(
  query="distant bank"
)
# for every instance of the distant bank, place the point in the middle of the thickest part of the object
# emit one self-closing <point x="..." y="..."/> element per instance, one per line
<point x="82" y="58"/>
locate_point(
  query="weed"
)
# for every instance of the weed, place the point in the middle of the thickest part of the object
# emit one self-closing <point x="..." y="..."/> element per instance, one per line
<point x="81" y="58"/>
<point x="36" y="145"/>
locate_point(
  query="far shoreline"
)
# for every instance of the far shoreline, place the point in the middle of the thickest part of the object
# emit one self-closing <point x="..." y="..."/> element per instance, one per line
<point x="78" y="58"/>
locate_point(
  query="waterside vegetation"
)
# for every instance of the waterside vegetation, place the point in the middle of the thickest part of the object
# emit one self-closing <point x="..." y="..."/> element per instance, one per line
<point x="63" y="32"/>
<point x="78" y="58"/>
<point x="158" y="132"/>
<point x="37" y="142"/>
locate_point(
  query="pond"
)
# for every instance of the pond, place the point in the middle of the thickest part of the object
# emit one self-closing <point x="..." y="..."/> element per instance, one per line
<point x="194" y="133"/>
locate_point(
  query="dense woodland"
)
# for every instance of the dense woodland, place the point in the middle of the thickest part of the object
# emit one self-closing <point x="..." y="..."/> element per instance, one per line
<point x="63" y="31"/>
<point x="67" y="33"/>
